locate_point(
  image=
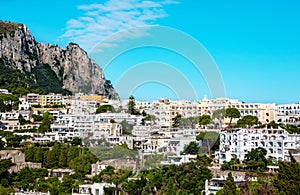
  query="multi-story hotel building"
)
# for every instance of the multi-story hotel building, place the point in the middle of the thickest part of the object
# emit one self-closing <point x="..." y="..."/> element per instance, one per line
<point x="288" y="113"/>
<point x="165" y="109"/>
<point x="237" y="143"/>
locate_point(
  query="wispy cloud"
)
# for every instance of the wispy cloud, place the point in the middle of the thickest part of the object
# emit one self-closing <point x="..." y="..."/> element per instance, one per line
<point x="102" y="20"/>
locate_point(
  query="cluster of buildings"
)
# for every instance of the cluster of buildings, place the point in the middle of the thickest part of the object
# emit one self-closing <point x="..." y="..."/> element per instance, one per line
<point x="165" y="110"/>
<point x="75" y="116"/>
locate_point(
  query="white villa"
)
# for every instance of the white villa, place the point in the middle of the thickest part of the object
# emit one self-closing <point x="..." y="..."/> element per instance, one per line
<point x="237" y="143"/>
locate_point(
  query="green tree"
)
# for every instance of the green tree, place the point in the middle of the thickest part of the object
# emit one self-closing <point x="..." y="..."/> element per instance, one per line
<point x="2" y="106"/>
<point x="2" y="144"/>
<point x="4" y="165"/>
<point x="46" y="122"/>
<point x="189" y="122"/>
<point x="150" y="118"/>
<point x="265" y="188"/>
<point x="105" y="108"/>
<point x="82" y="163"/>
<point x="229" y="186"/>
<point x="287" y="181"/>
<point x="176" y="121"/>
<point x="76" y="141"/>
<point x="62" y="160"/>
<point x="37" y="117"/>
<point x="232" y="113"/>
<point x="247" y="121"/>
<point x="170" y="189"/>
<point x="22" y="121"/>
<point x="66" y="185"/>
<point x="21" y="91"/>
<point x="135" y="186"/>
<point x="245" y="187"/>
<point x="204" y="119"/>
<point x="39" y="155"/>
<point x="73" y="152"/>
<point x="273" y="125"/>
<point x="192" y="148"/>
<point x="5" y="191"/>
<point x="131" y="105"/>
<point x="257" y="158"/>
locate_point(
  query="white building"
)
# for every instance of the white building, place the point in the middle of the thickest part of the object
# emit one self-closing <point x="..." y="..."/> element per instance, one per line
<point x="237" y="143"/>
<point x="178" y="160"/>
<point x="92" y="189"/>
<point x="119" y="117"/>
<point x="288" y="109"/>
<point x="24" y="104"/>
<point x="85" y="125"/>
<point x="288" y="113"/>
<point x="4" y="91"/>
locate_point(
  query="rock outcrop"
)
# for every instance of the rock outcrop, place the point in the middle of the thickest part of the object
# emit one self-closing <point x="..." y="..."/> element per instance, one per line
<point x="72" y="67"/>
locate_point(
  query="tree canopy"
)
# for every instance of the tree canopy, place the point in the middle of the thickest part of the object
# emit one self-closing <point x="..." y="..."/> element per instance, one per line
<point x="105" y="108"/>
<point x="192" y="148"/>
<point x="176" y="120"/>
<point x="204" y="119"/>
<point x="257" y="158"/>
<point x="229" y="186"/>
<point x="131" y="106"/>
<point x="46" y="122"/>
<point x="288" y="179"/>
<point x="247" y="121"/>
<point x="232" y="113"/>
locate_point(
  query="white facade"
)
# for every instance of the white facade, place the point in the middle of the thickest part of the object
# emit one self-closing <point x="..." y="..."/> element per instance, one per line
<point x="288" y="109"/>
<point x="178" y="160"/>
<point x="4" y="91"/>
<point x="119" y="117"/>
<point x="288" y="113"/>
<point x="24" y="104"/>
<point x="237" y="143"/>
<point x="83" y="125"/>
<point x="155" y="141"/>
<point x="92" y="189"/>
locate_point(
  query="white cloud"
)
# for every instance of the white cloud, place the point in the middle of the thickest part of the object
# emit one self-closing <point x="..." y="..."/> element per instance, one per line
<point x="103" y="20"/>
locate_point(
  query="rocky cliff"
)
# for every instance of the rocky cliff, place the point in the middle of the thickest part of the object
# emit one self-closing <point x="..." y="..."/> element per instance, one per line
<point x="50" y="67"/>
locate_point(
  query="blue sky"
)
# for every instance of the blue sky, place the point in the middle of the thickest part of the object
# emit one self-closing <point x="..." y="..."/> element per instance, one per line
<point x="255" y="44"/>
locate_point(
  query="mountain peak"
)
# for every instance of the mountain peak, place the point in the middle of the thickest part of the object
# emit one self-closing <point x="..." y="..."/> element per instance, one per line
<point x="49" y="66"/>
<point x="8" y="27"/>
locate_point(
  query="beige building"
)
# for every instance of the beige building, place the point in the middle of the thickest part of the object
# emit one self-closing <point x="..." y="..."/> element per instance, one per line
<point x="264" y="112"/>
<point x="33" y="99"/>
<point x="165" y="110"/>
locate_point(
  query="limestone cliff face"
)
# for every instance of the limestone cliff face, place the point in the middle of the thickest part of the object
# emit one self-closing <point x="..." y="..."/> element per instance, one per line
<point x="73" y="68"/>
